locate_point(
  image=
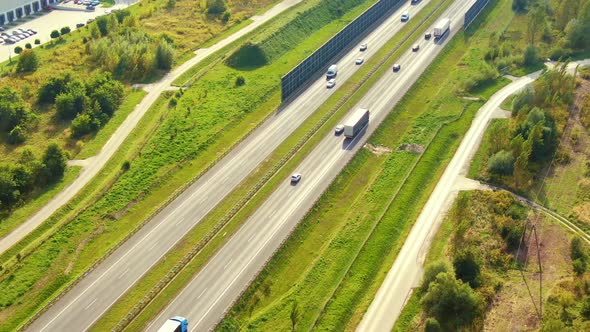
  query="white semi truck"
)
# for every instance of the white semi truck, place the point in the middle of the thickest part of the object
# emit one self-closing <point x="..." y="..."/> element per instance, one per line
<point x="356" y="122"/>
<point x="442" y="27"/>
<point x="175" y="324"/>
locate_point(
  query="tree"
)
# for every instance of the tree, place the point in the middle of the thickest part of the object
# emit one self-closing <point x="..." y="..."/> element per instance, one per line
<point x="171" y="4"/>
<point x="28" y="46"/>
<point x="17" y="135"/>
<point x="107" y="91"/>
<point x="432" y="325"/>
<point x="65" y="30"/>
<point x="501" y="163"/>
<point x="519" y="5"/>
<point x="54" y="34"/>
<point x="466" y="267"/>
<point x="72" y="101"/>
<point x="452" y="302"/>
<point x="431" y="271"/>
<point x="54" y="162"/>
<point x="536" y="23"/>
<point x="8" y="191"/>
<point x="225" y="17"/>
<point x="94" y="31"/>
<point x="37" y="41"/>
<point x="522" y="100"/>
<point x="54" y="86"/>
<point x="102" y="23"/>
<point x="18" y="50"/>
<point x="530" y="56"/>
<point x="83" y="124"/>
<point x="295" y="315"/>
<point x="585" y="311"/>
<point x="164" y="55"/>
<point x="27" y="62"/>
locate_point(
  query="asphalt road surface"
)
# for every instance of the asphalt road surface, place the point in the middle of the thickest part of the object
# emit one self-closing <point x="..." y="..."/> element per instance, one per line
<point x="95" y="164"/>
<point x="210" y="294"/>
<point x="88" y="301"/>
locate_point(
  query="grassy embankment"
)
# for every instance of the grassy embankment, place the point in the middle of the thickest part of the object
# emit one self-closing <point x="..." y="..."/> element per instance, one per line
<point x="335" y="260"/>
<point x="177" y="253"/>
<point x="77" y="244"/>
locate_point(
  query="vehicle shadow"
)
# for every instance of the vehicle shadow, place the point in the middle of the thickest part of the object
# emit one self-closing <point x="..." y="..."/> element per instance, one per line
<point x="350" y="143"/>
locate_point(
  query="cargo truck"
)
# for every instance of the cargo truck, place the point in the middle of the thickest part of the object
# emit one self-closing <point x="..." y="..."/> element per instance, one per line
<point x="357" y="121"/>
<point x="332" y="72"/>
<point x="442" y="27"/>
<point x="175" y="324"/>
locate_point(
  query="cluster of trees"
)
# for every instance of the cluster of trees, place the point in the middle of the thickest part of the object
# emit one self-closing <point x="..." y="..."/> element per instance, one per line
<point x="531" y="138"/>
<point x="454" y="295"/>
<point x="18" y="180"/>
<point x="15" y="115"/>
<point x="90" y="104"/>
<point x="119" y="47"/>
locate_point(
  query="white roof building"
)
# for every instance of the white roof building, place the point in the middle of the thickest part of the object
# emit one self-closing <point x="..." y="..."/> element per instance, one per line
<point x="12" y="10"/>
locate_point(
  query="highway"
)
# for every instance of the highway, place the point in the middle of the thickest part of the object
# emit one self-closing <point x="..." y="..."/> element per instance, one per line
<point x="211" y="292"/>
<point x="102" y="287"/>
<point x="94" y="164"/>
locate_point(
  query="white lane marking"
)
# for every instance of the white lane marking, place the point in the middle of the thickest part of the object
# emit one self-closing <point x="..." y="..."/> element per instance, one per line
<point x="228" y="263"/>
<point x="152" y="246"/>
<point x="91" y="303"/>
<point x="180" y="219"/>
<point x="123" y="273"/>
<point x="251" y="237"/>
<point x="203" y="292"/>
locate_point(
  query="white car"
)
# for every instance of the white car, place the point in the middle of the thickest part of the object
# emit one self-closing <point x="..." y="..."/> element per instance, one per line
<point x="363" y="47"/>
<point x="397" y="67"/>
<point x="405" y="16"/>
<point x="359" y="61"/>
<point x="415" y="48"/>
<point x="339" y="129"/>
<point x="295" y="177"/>
<point x="331" y="83"/>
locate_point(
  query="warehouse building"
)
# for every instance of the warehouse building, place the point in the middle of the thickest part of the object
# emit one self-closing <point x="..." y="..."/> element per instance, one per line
<point x="12" y="10"/>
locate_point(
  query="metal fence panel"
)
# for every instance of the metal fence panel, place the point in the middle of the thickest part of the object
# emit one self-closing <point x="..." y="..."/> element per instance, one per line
<point x="474" y="11"/>
<point x="294" y="79"/>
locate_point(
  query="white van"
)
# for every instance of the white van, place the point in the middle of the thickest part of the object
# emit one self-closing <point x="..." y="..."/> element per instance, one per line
<point x="332" y="72"/>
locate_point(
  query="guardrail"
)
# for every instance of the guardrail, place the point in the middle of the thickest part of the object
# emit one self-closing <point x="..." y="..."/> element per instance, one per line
<point x="473" y="12"/>
<point x="138" y="308"/>
<point x="306" y="69"/>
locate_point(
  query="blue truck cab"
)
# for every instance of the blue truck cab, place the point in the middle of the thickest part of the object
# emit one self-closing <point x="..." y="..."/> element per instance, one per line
<point x="175" y="324"/>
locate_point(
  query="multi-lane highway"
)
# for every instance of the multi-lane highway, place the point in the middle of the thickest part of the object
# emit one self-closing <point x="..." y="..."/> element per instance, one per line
<point x="88" y="300"/>
<point x="210" y="294"/>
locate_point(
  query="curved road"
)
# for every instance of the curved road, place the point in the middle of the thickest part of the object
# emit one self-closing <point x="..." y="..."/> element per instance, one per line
<point x="95" y="164"/>
<point x="102" y="287"/>
<point x="211" y="293"/>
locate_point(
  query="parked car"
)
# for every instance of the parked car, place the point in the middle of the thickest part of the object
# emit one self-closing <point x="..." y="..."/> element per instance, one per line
<point x="339" y="129"/>
<point x="415" y="47"/>
<point x="31" y="31"/>
<point x="90" y="7"/>
<point x="295" y="177"/>
<point x="363" y="47"/>
<point x="359" y="61"/>
<point x="95" y="3"/>
<point x="2" y="29"/>
<point x="397" y="67"/>
<point x="331" y="83"/>
<point x="48" y="8"/>
<point x="79" y="25"/>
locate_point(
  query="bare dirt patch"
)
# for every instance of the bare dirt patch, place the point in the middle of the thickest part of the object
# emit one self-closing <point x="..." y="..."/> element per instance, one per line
<point x="378" y="149"/>
<point x="413" y="148"/>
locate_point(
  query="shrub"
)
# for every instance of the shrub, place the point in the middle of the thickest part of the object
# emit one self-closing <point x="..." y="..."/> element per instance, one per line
<point x="18" y="50"/>
<point x="585" y="311"/>
<point x="466" y="267"/>
<point x="54" y="162"/>
<point x="27" y="62"/>
<point x="65" y="30"/>
<point x="164" y="55"/>
<point x="530" y="56"/>
<point x="53" y="87"/>
<point x="13" y="111"/>
<point x="17" y="135"/>
<point x="501" y="163"/>
<point x="171" y="4"/>
<point x="72" y="101"/>
<point x="431" y="271"/>
<point x="432" y="325"/>
<point x="579" y="266"/>
<point x="84" y="124"/>
<point x="216" y="7"/>
<point x="225" y="17"/>
<point x="240" y="80"/>
<point x="28" y="46"/>
<point x="37" y="41"/>
<point x="54" y="34"/>
<point x="126" y="165"/>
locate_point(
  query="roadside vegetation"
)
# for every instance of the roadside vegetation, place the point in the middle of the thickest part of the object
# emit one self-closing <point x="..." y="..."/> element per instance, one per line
<point x="76" y="67"/>
<point x="479" y="262"/>
<point x="214" y="105"/>
<point x="326" y="274"/>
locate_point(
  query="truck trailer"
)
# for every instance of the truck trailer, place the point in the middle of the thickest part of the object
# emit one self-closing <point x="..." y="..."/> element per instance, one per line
<point x="442" y="27"/>
<point x="175" y="324"/>
<point x="357" y="121"/>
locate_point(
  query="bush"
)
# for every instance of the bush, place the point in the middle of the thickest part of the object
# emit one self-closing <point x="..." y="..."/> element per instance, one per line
<point x="83" y="124"/>
<point x="17" y="135"/>
<point x="37" y="41"/>
<point x="126" y="166"/>
<point x="530" y="56"/>
<point x="72" y="101"/>
<point x="579" y="266"/>
<point x="585" y="311"/>
<point x="558" y="53"/>
<point x="18" y="50"/>
<point x="13" y="111"/>
<point x="452" y="302"/>
<point x="431" y="271"/>
<point x="171" y="4"/>
<point x="53" y="87"/>
<point x="54" y="34"/>
<point x="27" y="62"/>
<point x="432" y="325"/>
<point x="466" y="267"/>
<point x="225" y="17"/>
<point x="240" y="80"/>
<point x="216" y="7"/>
<point x="501" y="163"/>
<point x="164" y="55"/>
<point x="522" y="100"/>
<point x="28" y="46"/>
<point x="65" y="30"/>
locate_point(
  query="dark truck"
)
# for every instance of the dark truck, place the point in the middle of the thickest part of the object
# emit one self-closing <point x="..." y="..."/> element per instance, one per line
<point x="356" y="122"/>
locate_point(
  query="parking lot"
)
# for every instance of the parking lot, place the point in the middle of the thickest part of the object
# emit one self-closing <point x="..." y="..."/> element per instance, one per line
<point x="70" y="15"/>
